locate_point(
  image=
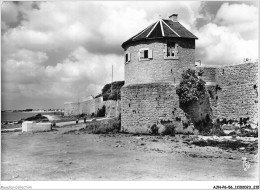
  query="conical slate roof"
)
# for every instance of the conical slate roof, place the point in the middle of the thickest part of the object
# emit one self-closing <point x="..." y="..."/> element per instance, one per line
<point x="163" y="28"/>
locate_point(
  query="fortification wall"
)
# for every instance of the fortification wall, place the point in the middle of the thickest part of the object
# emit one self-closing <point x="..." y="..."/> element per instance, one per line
<point x="92" y="106"/>
<point x="209" y="73"/>
<point x="238" y="96"/>
<point x="158" y="69"/>
<point x="71" y="108"/>
<point x="146" y="104"/>
<point x="199" y="110"/>
<point x="234" y="93"/>
<point x="112" y="108"/>
<point x="87" y="107"/>
<point x="98" y="103"/>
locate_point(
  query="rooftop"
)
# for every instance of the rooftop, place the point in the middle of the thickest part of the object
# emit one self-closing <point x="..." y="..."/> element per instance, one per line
<point x="163" y="28"/>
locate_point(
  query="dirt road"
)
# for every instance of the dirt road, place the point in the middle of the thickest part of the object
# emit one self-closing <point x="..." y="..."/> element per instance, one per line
<point x="57" y="156"/>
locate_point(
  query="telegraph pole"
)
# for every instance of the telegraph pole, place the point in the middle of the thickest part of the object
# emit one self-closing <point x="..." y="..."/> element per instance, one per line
<point x="112" y="82"/>
<point x="78" y="102"/>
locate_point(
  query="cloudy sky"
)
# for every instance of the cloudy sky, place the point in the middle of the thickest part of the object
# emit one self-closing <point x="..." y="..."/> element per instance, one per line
<point x="53" y="51"/>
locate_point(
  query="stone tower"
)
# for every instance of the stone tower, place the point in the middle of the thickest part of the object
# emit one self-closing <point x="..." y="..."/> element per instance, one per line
<point x="154" y="61"/>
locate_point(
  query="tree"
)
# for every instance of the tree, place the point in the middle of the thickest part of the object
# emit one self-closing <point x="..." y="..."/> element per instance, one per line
<point x="191" y="87"/>
<point x="101" y="112"/>
<point x="115" y="95"/>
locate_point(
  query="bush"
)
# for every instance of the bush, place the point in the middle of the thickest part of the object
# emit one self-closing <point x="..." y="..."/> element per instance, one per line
<point x="82" y="115"/>
<point x="206" y="127"/>
<point x="115" y="95"/>
<point x="37" y="117"/>
<point x="203" y="127"/>
<point x="169" y="130"/>
<point x="154" y="129"/>
<point x="191" y="88"/>
<point x="102" y="112"/>
<point x="102" y="127"/>
<point x="217" y="129"/>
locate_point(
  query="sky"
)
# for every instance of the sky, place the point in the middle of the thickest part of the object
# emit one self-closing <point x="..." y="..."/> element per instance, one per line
<point x="54" y="52"/>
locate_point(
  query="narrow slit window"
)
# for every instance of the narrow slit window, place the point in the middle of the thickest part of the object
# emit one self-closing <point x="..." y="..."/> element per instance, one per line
<point x="126" y="57"/>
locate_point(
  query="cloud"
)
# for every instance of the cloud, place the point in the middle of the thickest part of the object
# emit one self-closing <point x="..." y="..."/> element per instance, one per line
<point x="9" y="12"/>
<point x="228" y="36"/>
<point x="241" y="18"/>
<point x="81" y="72"/>
<point x="220" y="45"/>
<point x="57" y="50"/>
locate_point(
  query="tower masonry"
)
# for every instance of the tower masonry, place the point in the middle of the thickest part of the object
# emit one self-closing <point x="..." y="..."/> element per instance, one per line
<point x="159" y="53"/>
<point x="154" y="61"/>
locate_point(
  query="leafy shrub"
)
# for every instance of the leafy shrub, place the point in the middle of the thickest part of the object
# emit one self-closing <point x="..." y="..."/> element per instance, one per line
<point x="217" y="129"/>
<point x="154" y="129"/>
<point x="207" y="127"/>
<point x="169" y="130"/>
<point x="115" y="95"/>
<point x="102" y="127"/>
<point x="191" y="88"/>
<point x="38" y="117"/>
<point x="101" y="112"/>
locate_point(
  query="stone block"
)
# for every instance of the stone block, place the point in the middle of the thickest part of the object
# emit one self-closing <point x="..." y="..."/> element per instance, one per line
<point x="42" y="127"/>
<point x="27" y="126"/>
<point x="31" y="126"/>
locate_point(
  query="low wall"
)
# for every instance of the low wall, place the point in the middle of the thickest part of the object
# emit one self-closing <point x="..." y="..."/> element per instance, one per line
<point x="92" y="106"/>
<point x="30" y="126"/>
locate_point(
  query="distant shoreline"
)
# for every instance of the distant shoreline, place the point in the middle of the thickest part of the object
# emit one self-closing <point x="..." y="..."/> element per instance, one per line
<point x="33" y="111"/>
<point x="21" y="115"/>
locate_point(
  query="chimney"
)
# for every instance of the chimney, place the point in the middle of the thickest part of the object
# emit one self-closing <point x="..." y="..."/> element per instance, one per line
<point x="174" y="17"/>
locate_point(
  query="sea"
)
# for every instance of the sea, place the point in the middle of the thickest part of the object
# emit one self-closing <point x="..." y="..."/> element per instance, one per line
<point x="16" y="116"/>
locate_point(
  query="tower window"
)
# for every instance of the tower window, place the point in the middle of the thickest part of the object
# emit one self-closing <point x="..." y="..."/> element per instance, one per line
<point x="171" y="50"/>
<point x="145" y="54"/>
<point x="127" y="57"/>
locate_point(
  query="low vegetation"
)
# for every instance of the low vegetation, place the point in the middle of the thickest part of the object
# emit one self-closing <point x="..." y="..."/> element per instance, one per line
<point x="191" y="87"/>
<point x="102" y="112"/>
<point x="38" y="118"/>
<point x="115" y="94"/>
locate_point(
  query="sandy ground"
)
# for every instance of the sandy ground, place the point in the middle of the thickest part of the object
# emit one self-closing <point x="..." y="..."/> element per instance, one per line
<point x="54" y="156"/>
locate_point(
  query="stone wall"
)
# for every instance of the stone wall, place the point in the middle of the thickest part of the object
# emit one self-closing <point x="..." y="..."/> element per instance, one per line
<point x="143" y="105"/>
<point x="98" y="103"/>
<point x="71" y="108"/>
<point x="209" y="73"/>
<point x="112" y="108"/>
<point x="234" y="92"/>
<point x="231" y="94"/>
<point x="92" y="106"/>
<point x="88" y="107"/>
<point x="238" y="93"/>
<point x="158" y="69"/>
<point x="198" y="110"/>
